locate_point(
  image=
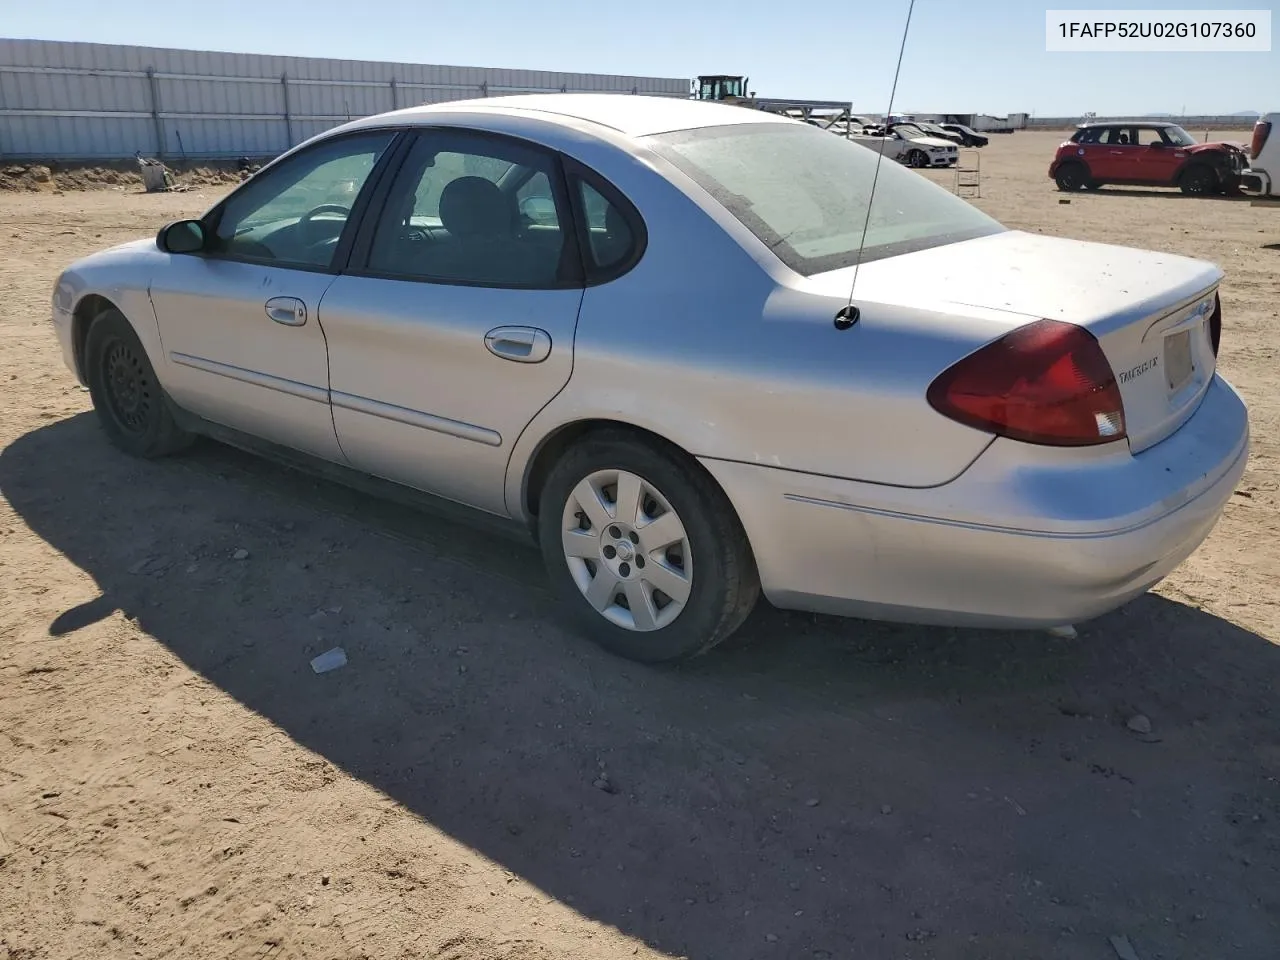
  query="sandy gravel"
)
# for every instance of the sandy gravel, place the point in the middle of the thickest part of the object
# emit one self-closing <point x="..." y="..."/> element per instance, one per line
<point x="175" y="782"/>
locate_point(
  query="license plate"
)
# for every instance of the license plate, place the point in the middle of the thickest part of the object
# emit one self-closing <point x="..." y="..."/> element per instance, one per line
<point x="1177" y="359"/>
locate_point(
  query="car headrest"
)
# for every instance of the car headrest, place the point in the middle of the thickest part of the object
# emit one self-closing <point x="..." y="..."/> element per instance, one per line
<point x="474" y="207"/>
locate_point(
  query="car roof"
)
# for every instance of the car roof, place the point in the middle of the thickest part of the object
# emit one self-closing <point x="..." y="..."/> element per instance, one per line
<point x="1126" y="123"/>
<point x="634" y="115"/>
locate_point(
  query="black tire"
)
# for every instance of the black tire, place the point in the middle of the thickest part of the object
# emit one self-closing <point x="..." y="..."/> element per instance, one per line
<point x="724" y="584"/>
<point x="1072" y="177"/>
<point x="127" y="396"/>
<point x="1198" y="179"/>
<point x="917" y="159"/>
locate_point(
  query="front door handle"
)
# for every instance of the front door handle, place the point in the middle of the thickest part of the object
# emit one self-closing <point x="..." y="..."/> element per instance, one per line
<point x="521" y="344"/>
<point x="290" y="311"/>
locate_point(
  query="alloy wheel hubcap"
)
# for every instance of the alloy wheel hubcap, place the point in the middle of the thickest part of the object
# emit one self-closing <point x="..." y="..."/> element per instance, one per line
<point x="627" y="550"/>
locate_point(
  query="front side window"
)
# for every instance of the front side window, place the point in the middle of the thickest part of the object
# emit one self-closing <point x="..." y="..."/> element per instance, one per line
<point x="475" y="210"/>
<point x="807" y="195"/>
<point x="1178" y="137"/>
<point x="294" y="214"/>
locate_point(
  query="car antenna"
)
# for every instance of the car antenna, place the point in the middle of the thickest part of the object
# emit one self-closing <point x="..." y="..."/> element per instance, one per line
<point x="849" y="314"/>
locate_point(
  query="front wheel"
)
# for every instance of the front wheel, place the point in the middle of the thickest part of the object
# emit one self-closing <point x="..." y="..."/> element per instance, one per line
<point x="917" y="159"/>
<point x="644" y="549"/>
<point x="1071" y="177"/>
<point x="127" y="396"/>
<point x="1199" y="180"/>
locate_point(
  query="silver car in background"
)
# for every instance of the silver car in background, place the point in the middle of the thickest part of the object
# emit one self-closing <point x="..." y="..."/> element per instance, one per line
<point x="629" y="325"/>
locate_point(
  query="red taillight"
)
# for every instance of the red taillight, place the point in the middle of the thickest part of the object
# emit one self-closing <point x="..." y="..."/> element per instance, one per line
<point x="1215" y="324"/>
<point x="1261" y="130"/>
<point x="1048" y="382"/>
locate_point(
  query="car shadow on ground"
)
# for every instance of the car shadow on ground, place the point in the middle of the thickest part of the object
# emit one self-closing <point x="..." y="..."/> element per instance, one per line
<point x="1168" y="193"/>
<point x="814" y="788"/>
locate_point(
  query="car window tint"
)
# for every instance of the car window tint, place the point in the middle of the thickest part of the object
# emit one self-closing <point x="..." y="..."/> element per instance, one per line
<point x="610" y="238"/>
<point x="470" y="209"/>
<point x="293" y="214"/>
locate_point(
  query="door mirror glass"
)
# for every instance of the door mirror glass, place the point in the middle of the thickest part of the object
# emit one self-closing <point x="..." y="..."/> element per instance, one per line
<point x="539" y="209"/>
<point x="182" y="236"/>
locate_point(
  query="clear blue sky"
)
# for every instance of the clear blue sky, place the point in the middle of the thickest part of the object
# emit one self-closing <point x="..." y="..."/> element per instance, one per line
<point x="979" y="56"/>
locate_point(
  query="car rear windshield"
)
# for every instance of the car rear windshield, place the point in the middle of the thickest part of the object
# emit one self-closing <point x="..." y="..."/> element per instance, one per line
<point x="807" y="194"/>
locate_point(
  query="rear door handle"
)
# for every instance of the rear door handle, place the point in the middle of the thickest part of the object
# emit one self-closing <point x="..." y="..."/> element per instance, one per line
<point x="290" y="311"/>
<point x="521" y="344"/>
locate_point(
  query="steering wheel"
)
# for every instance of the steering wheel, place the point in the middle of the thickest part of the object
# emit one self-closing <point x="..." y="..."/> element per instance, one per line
<point x="306" y="221"/>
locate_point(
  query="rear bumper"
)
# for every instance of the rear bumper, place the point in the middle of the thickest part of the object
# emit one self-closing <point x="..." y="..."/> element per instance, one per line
<point x="1024" y="538"/>
<point x="1256" y="183"/>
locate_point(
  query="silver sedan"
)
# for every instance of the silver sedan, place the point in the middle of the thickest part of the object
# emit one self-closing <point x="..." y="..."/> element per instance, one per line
<point x="687" y="348"/>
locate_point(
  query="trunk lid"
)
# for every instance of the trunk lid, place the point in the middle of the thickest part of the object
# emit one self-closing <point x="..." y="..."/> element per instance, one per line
<point x="1149" y="311"/>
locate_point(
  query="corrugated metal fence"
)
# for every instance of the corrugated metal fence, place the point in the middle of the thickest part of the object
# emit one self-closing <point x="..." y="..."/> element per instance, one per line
<point x="90" y="100"/>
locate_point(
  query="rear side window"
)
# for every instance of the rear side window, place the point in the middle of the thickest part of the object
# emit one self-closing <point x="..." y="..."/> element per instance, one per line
<point x="476" y="210"/>
<point x="613" y="232"/>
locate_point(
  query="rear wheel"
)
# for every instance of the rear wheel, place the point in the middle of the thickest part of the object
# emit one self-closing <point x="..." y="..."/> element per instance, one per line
<point x="127" y="397"/>
<point x="644" y="549"/>
<point x="1072" y="177"/>
<point x="1198" y="180"/>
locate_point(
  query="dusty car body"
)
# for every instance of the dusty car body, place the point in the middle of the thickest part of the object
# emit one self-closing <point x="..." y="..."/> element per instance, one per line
<point x="629" y="327"/>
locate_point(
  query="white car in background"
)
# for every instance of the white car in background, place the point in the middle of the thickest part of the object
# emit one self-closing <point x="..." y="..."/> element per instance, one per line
<point x="908" y="144"/>
<point x="1262" y="178"/>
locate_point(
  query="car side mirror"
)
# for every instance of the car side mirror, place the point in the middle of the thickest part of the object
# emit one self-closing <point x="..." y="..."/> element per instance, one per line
<point x="539" y="209"/>
<point x="181" y="236"/>
<point x="1158" y="144"/>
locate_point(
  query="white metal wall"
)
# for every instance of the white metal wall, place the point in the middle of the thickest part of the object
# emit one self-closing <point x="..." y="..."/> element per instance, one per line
<point x="90" y="100"/>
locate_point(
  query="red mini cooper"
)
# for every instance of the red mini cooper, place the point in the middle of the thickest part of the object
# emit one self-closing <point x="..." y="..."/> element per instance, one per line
<point x="1148" y="154"/>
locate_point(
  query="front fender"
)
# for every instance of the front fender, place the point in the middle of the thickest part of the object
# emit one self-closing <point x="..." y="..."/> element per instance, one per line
<point x="121" y="276"/>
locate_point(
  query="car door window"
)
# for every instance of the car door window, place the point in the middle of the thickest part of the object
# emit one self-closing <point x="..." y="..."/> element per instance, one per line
<point x="293" y="215"/>
<point x="1120" y="137"/>
<point x="475" y="210"/>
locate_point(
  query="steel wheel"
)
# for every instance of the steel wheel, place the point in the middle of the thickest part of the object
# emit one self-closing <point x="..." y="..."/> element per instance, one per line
<point x="130" y="394"/>
<point x="627" y="550"/>
<point x="127" y="395"/>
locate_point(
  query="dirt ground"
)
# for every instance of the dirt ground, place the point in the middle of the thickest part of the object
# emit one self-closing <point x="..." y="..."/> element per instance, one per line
<point x="176" y="782"/>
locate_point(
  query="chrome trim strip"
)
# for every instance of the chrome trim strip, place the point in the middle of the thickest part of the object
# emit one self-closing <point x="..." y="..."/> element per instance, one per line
<point x="293" y="388"/>
<point x="415" y="418"/>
